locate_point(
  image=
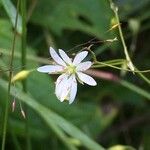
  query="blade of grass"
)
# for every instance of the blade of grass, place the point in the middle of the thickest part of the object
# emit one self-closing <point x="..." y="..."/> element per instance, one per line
<point x="11" y="12"/>
<point x="6" y="113"/>
<point x="135" y="88"/>
<point x="23" y="63"/>
<point x="49" y="116"/>
<point x="112" y="77"/>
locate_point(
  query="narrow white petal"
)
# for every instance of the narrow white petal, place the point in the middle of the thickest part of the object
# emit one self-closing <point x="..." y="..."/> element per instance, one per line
<point x="84" y="66"/>
<point x="50" y="69"/>
<point x="60" y="79"/>
<point x="79" y="57"/>
<point x="65" y="57"/>
<point x="65" y="90"/>
<point x="64" y="93"/>
<point x="56" y="57"/>
<point x="73" y="90"/>
<point x="86" y="79"/>
<point x="60" y="84"/>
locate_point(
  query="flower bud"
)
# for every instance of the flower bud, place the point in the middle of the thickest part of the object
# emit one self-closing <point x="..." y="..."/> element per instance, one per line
<point x="20" y="76"/>
<point x="134" y="25"/>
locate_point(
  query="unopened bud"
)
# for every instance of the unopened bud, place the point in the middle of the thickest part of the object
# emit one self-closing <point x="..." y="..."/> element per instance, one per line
<point x="121" y="147"/>
<point x="20" y="76"/>
<point x="134" y="25"/>
<point x="113" y="23"/>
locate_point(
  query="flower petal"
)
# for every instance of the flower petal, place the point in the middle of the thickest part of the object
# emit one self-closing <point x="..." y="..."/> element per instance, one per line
<point x="56" y="57"/>
<point x="61" y="84"/>
<point x="50" y="69"/>
<point x="79" y="57"/>
<point x="65" y="57"/>
<point x="73" y="90"/>
<point x="65" y="90"/>
<point x="84" y="66"/>
<point x="86" y="79"/>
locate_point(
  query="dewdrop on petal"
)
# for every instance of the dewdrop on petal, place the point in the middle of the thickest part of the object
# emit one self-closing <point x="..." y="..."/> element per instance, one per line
<point x="20" y="76"/>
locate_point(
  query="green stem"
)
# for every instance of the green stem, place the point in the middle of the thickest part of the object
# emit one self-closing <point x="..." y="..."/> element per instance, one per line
<point x="114" y="60"/>
<point x="112" y="64"/>
<point x="135" y="89"/>
<point x="115" y="67"/>
<point x="6" y="113"/>
<point x="115" y="9"/>
<point x="143" y="77"/>
<point x="23" y="61"/>
<point x="23" y="43"/>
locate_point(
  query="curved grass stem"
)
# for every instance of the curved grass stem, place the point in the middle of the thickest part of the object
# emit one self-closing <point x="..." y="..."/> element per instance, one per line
<point x="23" y="63"/>
<point x="6" y="113"/>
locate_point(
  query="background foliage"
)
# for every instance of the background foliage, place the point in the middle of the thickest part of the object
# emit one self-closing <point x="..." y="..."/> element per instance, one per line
<point x="108" y="115"/>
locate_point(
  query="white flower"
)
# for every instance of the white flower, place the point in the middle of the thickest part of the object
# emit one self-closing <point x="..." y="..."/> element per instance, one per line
<point x="71" y="71"/>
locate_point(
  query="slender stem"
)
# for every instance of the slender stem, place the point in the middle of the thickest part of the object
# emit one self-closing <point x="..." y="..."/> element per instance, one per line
<point x="115" y="9"/>
<point x="6" y="113"/>
<point x="113" y="64"/>
<point x="143" y="77"/>
<point x="114" y="60"/>
<point x="23" y="61"/>
<point x="122" y="38"/>
<point x="135" y="88"/>
<point x="130" y="64"/>
<point x="24" y="32"/>
<point x="113" y="77"/>
<point x="115" y="67"/>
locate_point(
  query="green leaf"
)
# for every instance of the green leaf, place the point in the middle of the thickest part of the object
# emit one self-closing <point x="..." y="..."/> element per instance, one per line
<point x="11" y="12"/>
<point x="89" y="16"/>
<point x="51" y="117"/>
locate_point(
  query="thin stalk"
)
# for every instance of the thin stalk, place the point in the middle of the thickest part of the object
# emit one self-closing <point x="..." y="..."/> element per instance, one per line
<point x="115" y="67"/>
<point x="113" y="64"/>
<point x="114" y="60"/>
<point x="122" y="37"/>
<point x="143" y="77"/>
<point x="113" y="77"/>
<point x="115" y="9"/>
<point x="135" y="88"/>
<point x="130" y="64"/>
<point x="29" y="57"/>
<point x="6" y="113"/>
<point x="24" y="32"/>
<point x="23" y="62"/>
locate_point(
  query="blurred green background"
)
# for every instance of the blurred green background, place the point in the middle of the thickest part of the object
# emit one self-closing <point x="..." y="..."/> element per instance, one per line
<point x="104" y="116"/>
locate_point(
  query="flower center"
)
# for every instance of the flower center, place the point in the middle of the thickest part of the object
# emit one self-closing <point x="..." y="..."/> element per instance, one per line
<point x="71" y="69"/>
